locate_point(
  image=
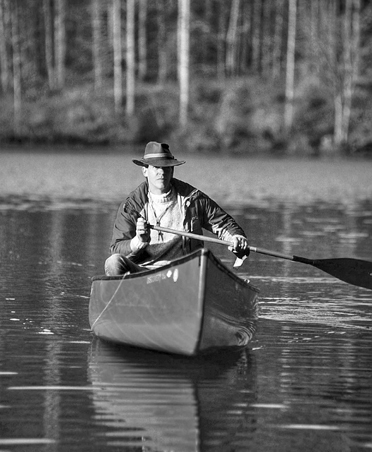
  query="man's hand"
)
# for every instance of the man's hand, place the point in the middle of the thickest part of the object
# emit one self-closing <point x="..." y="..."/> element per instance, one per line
<point x="142" y="237"/>
<point x="240" y="246"/>
<point x="143" y="230"/>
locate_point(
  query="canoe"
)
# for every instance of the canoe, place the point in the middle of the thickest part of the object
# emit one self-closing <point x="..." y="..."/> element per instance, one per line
<point x="192" y="305"/>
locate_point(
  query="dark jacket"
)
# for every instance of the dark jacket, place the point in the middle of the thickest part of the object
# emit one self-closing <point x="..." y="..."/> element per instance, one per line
<point x="199" y="211"/>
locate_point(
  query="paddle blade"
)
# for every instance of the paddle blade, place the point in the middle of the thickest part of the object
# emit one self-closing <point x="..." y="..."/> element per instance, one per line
<point x="352" y="271"/>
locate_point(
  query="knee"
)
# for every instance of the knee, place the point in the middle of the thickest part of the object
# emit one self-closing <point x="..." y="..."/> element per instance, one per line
<point x="115" y="265"/>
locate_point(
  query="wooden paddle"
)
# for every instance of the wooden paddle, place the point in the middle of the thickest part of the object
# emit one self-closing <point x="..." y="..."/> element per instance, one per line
<point x="353" y="271"/>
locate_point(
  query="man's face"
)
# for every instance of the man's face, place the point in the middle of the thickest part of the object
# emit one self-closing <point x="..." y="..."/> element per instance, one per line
<point x="159" y="178"/>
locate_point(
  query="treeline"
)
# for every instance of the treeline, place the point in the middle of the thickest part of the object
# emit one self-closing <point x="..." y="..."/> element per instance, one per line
<point x="236" y="75"/>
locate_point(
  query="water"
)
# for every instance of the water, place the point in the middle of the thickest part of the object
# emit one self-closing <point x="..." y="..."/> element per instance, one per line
<point x="304" y="384"/>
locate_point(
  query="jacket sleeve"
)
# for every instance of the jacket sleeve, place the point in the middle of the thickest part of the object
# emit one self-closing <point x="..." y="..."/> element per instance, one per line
<point x="216" y="220"/>
<point x="123" y="232"/>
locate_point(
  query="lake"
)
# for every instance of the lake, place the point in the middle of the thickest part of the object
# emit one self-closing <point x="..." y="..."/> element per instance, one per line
<point x="305" y="382"/>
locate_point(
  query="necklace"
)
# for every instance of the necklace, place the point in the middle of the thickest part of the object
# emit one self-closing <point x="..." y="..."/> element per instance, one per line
<point x="159" y="217"/>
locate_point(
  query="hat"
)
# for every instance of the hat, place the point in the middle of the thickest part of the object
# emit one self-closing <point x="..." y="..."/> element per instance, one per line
<point x="158" y="154"/>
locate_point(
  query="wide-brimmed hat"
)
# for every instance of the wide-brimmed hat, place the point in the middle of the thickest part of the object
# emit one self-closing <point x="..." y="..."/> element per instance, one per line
<point x="158" y="154"/>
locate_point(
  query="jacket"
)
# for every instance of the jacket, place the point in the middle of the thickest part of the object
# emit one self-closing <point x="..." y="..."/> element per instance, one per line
<point x="198" y="211"/>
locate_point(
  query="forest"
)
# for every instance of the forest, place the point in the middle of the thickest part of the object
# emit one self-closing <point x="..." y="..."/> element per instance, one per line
<point x="280" y="77"/>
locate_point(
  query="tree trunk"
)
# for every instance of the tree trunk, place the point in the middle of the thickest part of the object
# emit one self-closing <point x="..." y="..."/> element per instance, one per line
<point x="60" y="41"/>
<point x="232" y="38"/>
<point x="142" y="40"/>
<point x="329" y="38"/>
<point x="256" y="35"/>
<point x="343" y="99"/>
<point x="267" y="38"/>
<point x="49" y="39"/>
<point x="117" y="46"/>
<point x="4" y="38"/>
<point x="208" y="29"/>
<point x="290" y="69"/>
<point x="315" y="32"/>
<point x="246" y="45"/>
<point x="278" y="39"/>
<point x="221" y="33"/>
<point x="162" y="48"/>
<point x="131" y="64"/>
<point x="17" y="77"/>
<point x="184" y="31"/>
<point x="97" y="41"/>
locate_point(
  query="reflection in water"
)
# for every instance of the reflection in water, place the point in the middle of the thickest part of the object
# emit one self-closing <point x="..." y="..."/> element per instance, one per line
<point x="163" y="402"/>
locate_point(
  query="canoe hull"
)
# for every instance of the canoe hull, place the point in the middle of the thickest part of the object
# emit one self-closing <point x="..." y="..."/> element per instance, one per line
<point x="192" y="305"/>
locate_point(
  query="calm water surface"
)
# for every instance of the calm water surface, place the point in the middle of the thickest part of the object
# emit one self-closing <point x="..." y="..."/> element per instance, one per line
<point x="304" y="384"/>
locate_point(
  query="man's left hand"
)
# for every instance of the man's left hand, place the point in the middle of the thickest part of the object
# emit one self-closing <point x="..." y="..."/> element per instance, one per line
<point x="240" y="246"/>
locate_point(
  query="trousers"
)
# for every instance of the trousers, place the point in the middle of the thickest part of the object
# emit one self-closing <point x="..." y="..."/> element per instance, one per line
<point x="118" y="264"/>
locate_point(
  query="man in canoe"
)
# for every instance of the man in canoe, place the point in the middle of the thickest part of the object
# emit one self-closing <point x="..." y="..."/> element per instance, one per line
<point x="165" y="201"/>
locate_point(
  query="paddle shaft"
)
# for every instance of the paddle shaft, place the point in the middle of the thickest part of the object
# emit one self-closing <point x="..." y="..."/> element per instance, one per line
<point x="192" y="235"/>
<point x="353" y="271"/>
<point x="226" y="243"/>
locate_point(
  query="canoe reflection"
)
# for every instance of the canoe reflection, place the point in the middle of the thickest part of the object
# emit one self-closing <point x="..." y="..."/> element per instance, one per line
<point x="164" y="402"/>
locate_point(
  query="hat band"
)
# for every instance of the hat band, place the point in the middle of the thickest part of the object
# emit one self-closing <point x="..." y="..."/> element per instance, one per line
<point x="152" y="156"/>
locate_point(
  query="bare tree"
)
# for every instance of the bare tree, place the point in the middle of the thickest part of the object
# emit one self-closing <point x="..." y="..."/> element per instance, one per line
<point x="184" y="62"/>
<point x="60" y="41"/>
<point x="130" y="57"/>
<point x="312" y="12"/>
<point x="290" y="69"/>
<point x="221" y="35"/>
<point x="232" y="39"/>
<point x="278" y="38"/>
<point x="117" y="45"/>
<point x="96" y="44"/>
<point x="142" y="40"/>
<point x="17" y="76"/>
<point x="162" y="48"/>
<point x="207" y="31"/>
<point x="335" y="53"/>
<point x="256" y="34"/>
<point x="267" y="38"/>
<point x="4" y="38"/>
<point x="350" y="66"/>
<point x="49" y="39"/>
<point x="246" y="30"/>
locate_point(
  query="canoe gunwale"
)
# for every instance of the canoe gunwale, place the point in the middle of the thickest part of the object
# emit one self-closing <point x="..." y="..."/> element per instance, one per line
<point x="201" y="251"/>
<point x="150" y="271"/>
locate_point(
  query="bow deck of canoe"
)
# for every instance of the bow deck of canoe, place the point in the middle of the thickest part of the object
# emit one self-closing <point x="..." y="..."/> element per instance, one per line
<point x="191" y="305"/>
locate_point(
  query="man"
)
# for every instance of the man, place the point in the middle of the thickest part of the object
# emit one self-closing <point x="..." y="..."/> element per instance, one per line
<point x="165" y="201"/>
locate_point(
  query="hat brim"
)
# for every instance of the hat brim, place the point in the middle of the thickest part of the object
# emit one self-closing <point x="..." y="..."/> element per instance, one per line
<point x="158" y="162"/>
